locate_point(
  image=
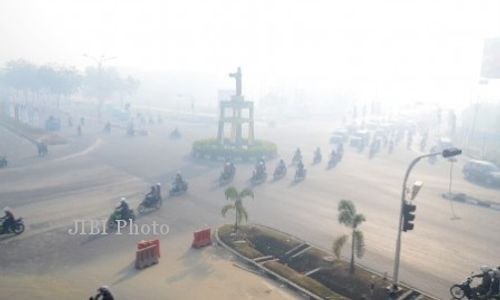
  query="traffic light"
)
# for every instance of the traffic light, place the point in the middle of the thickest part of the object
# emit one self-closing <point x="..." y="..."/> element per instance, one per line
<point x="408" y="216"/>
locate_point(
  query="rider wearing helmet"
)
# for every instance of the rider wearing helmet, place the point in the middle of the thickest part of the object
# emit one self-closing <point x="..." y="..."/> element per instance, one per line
<point x="178" y="182"/>
<point x="158" y="190"/>
<point x="152" y="193"/>
<point x="297" y="155"/>
<point x="300" y="167"/>
<point x="123" y="208"/>
<point x="317" y="154"/>
<point x="104" y="293"/>
<point x="485" y="276"/>
<point x="495" y="284"/>
<point x="8" y="219"/>
<point x="281" y="165"/>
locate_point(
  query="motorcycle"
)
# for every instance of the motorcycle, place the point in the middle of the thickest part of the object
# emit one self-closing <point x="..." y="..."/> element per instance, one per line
<point x="464" y="289"/>
<point x="177" y="190"/>
<point x="296" y="158"/>
<point x="333" y="161"/>
<point x="18" y="227"/>
<point x="174" y="135"/>
<point x="117" y="216"/>
<point x="317" y="159"/>
<point x="42" y="150"/>
<point x="3" y="161"/>
<point x="279" y="173"/>
<point x="130" y="131"/>
<point x="258" y="177"/>
<point x="149" y="203"/>
<point x="107" y="128"/>
<point x="226" y="177"/>
<point x="300" y="175"/>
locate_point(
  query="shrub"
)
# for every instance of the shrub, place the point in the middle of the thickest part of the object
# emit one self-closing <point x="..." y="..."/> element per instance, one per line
<point x="212" y="149"/>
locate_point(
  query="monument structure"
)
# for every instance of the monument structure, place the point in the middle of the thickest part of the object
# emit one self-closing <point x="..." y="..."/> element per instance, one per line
<point x="237" y="113"/>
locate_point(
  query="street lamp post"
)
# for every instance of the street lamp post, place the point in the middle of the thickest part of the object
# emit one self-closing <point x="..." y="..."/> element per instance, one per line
<point x="447" y="153"/>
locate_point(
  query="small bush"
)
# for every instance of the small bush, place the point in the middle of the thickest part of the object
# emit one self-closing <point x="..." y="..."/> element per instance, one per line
<point x="212" y="149"/>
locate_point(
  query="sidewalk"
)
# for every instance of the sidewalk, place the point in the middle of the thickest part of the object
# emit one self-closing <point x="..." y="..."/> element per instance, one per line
<point x="183" y="273"/>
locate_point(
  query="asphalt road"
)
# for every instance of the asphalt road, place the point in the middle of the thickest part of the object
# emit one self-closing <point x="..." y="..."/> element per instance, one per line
<point x="87" y="180"/>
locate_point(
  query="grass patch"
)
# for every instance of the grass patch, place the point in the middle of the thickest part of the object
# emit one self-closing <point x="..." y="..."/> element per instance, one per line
<point x="333" y="281"/>
<point x="303" y="281"/>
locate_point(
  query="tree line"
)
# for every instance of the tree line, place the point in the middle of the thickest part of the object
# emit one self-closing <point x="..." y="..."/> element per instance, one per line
<point x="24" y="81"/>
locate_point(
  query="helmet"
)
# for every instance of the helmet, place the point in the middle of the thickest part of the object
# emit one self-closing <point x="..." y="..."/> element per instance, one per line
<point x="485" y="269"/>
<point x="103" y="288"/>
<point x="158" y="184"/>
<point x="6" y="209"/>
<point x="123" y="200"/>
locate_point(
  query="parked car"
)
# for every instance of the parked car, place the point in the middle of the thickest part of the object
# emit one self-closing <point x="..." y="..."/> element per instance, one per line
<point x="339" y="136"/>
<point x="444" y="143"/>
<point x="482" y="171"/>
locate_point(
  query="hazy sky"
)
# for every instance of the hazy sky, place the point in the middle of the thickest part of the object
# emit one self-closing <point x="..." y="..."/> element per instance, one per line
<point x="391" y="49"/>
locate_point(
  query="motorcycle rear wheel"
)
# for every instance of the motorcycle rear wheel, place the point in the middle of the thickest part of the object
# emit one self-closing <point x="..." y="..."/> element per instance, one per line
<point x="457" y="292"/>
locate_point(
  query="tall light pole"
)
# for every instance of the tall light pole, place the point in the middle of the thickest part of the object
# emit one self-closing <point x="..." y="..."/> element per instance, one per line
<point x="450" y="196"/>
<point x="99" y="61"/>
<point x="447" y="153"/>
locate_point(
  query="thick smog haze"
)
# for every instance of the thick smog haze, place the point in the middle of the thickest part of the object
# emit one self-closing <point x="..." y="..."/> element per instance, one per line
<point x="394" y="51"/>
<point x="271" y="150"/>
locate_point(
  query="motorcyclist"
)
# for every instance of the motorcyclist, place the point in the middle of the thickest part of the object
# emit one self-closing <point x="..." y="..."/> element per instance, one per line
<point x="42" y="148"/>
<point x="229" y="169"/>
<point x="317" y="154"/>
<point x="281" y="166"/>
<point x="340" y="149"/>
<point x="333" y="155"/>
<point x="104" y="293"/>
<point x="8" y="219"/>
<point x="123" y="208"/>
<point x="495" y="284"/>
<point x="300" y="168"/>
<point x="260" y="167"/>
<point x="175" y="132"/>
<point x="158" y="191"/>
<point x="297" y="155"/>
<point x="151" y="196"/>
<point x="486" y="279"/>
<point x="178" y="182"/>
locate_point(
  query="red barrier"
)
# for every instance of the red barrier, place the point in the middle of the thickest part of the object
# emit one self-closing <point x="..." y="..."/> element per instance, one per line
<point x="202" y="238"/>
<point x="146" y="243"/>
<point x="146" y="257"/>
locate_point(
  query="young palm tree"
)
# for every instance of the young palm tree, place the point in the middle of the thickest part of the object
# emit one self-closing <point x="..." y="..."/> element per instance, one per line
<point x="236" y="197"/>
<point x="351" y="219"/>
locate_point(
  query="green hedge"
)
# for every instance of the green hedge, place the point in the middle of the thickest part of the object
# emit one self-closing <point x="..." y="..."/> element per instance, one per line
<point x="212" y="149"/>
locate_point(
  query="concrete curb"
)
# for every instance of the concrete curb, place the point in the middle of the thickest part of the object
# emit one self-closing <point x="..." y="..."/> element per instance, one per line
<point x="266" y="270"/>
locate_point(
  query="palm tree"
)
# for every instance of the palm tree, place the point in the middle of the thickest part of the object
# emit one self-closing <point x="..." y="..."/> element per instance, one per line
<point x="351" y="219"/>
<point x="236" y="197"/>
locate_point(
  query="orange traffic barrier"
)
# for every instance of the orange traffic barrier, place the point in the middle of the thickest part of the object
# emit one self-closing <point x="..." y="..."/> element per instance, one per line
<point x="147" y="253"/>
<point x="146" y="243"/>
<point x="202" y="238"/>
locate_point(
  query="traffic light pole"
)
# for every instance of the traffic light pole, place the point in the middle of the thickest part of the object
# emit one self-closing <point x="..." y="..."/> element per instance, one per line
<point x="400" y="228"/>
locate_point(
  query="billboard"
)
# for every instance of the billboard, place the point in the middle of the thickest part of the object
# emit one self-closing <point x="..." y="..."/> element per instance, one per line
<point x="490" y="67"/>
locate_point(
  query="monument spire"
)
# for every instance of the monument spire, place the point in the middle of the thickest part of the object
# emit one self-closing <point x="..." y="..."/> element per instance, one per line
<point x="237" y="77"/>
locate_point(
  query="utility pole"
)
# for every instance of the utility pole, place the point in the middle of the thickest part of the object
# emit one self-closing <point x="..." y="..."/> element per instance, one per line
<point x="407" y="210"/>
